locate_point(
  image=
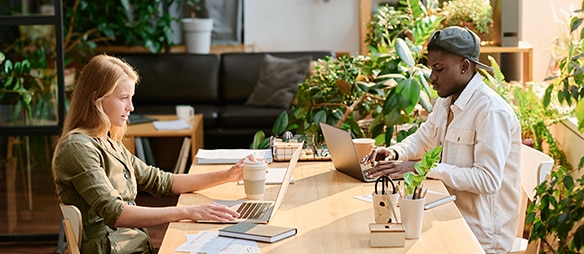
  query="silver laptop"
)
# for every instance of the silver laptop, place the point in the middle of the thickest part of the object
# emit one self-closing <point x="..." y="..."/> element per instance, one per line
<point x="261" y="211"/>
<point x="343" y="154"/>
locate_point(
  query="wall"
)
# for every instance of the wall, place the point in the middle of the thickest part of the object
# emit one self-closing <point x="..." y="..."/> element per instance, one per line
<point x="284" y="25"/>
<point x="539" y="27"/>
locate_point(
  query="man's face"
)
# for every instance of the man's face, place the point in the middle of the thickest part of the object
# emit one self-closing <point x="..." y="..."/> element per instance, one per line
<point x="449" y="73"/>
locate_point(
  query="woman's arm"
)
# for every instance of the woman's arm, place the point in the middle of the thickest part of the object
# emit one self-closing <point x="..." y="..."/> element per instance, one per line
<point x="140" y="216"/>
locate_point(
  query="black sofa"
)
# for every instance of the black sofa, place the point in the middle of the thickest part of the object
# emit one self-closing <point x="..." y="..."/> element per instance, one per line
<point x="216" y="85"/>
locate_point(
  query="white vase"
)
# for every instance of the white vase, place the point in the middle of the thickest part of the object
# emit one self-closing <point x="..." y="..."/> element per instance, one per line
<point x="197" y="34"/>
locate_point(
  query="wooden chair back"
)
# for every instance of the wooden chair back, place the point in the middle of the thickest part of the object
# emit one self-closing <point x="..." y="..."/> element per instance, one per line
<point x="73" y="224"/>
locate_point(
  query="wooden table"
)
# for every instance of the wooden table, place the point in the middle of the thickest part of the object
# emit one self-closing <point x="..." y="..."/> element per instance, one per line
<point x="321" y="206"/>
<point x="148" y="130"/>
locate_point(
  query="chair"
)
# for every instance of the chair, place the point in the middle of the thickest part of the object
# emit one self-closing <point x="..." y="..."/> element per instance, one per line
<point x="73" y="224"/>
<point x="535" y="167"/>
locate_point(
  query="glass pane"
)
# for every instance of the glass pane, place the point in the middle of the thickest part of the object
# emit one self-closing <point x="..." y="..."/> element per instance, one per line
<point x="28" y="76"/>
<point x="26" y="7"/>
<point x="28" y="203"/>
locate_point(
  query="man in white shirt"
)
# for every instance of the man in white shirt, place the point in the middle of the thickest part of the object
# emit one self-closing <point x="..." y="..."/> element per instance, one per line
<point x="481" y="140"/>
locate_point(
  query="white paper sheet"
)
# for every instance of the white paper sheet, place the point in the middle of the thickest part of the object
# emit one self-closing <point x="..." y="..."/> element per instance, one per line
<point x="228" y="156"/>
<point x="179" y="124"/>
<point x="210" y="243"/>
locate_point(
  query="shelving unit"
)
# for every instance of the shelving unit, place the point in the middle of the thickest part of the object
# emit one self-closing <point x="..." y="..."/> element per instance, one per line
<point x="29" y="128"/>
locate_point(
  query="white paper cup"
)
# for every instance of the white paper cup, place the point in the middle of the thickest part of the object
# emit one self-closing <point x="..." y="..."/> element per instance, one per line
<point x="363" y="146"/>
<point x="412" y="216"/>
<point x="185" y="112"/>
<point x="254" y="179"/>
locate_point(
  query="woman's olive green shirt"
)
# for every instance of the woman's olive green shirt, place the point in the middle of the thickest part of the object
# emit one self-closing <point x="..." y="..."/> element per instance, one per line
<point x="100" y="178"/>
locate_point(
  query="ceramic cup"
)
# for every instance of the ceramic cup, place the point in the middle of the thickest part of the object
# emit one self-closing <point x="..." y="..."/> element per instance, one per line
<point x="185" y="112"/>
<point x="412" y="216"/>
<point x="363" y="147"/>
<point x="254" y="179"/>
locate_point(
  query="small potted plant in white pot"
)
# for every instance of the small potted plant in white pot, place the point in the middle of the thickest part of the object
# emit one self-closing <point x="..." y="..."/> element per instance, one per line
<point x="196" y="30"/>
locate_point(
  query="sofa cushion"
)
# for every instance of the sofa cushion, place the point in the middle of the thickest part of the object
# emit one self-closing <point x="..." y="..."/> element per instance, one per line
<point x="278" y="81"/>
<point x="237" y="116"/>
<point x="240" y="72"/>
<point x="177" y="78"/>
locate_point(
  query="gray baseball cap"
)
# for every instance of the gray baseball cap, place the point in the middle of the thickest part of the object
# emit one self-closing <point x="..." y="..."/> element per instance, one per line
<point x="460" y="41"/>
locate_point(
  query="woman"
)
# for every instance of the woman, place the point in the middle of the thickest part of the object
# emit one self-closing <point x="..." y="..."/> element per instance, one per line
<point x="95" y="172"/>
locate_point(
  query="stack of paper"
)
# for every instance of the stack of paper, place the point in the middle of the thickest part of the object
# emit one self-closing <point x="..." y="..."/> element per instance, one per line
<point x="179" y="124"/>
<point x="229" y="156"/>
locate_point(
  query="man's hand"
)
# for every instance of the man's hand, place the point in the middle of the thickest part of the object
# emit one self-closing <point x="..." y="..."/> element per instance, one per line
<point x="393" y="169"/>
<point x="379" y="154"/>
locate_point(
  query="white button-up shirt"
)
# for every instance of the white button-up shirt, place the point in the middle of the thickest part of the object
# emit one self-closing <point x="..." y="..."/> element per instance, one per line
<point x="480" y="160"/>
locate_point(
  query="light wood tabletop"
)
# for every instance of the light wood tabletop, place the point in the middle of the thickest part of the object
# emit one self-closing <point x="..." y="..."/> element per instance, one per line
<point x="321" y="205"/>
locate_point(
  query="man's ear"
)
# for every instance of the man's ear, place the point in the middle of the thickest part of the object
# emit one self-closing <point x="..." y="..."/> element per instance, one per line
<point x="465" y="66"/>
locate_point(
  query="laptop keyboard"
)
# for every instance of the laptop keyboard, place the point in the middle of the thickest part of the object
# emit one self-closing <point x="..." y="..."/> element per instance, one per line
<point x="366" y="168"/>
<point x="253" y="210"/>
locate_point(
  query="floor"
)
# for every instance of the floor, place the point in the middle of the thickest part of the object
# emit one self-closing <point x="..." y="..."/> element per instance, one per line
<point x="42" y="216"/>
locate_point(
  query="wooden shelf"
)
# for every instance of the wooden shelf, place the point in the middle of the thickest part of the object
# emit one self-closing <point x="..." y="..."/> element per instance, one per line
<point x="526" y="51"/>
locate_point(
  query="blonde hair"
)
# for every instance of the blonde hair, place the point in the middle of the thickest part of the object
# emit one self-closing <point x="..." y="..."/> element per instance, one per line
<point x="99" y="78"/>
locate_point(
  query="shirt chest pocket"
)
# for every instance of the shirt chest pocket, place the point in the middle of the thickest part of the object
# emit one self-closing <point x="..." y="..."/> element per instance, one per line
<point x="460" y="137"/>
<point x="460" y="145"/>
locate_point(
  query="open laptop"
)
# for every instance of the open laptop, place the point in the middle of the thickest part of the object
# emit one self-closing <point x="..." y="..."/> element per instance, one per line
<point x="343" y="154"/>
<point x="261" y="211"/>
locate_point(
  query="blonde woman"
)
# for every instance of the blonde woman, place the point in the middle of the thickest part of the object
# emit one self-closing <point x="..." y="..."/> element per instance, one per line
<point x="95" y="172"/>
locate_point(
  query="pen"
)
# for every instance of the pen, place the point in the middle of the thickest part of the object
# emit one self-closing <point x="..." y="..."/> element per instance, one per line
<point x="438" y="202"/>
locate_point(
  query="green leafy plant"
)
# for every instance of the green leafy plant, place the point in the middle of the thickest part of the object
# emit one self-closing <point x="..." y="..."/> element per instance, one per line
<point x="261" y="142"/>
<point x="557" y="213"/>
<point x="128" y="23"/>
<point x="387" y="88"/>
<point x="413" y="180"/>
<point x="567" y="83"/>
<point x="463" y="13"/>
<point x="405" y="20"/>
<point x="15" y="81"/>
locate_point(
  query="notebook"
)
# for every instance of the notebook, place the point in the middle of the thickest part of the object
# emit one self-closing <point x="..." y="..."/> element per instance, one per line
<point x="343" y="154"/>
<point x="261" y="211"/>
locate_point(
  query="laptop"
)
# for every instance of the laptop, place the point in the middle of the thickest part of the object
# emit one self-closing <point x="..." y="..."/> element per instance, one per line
<point x="343" y="154"/>
<point x="261" y="211"/>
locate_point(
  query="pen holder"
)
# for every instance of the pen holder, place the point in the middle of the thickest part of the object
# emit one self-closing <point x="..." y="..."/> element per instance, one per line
<point x="382" y="205"/>
<point x="412" y="216"/>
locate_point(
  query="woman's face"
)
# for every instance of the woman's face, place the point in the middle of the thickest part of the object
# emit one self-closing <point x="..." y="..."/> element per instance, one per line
<point x="118" y="105"/>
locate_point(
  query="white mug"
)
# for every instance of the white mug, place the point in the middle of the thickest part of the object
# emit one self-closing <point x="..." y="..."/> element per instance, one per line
<point x="185" y="112"/>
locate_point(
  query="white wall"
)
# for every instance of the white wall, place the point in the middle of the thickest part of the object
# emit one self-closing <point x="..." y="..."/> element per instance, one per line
<point x="539" y="28"/>
<point x="287" y="25"/>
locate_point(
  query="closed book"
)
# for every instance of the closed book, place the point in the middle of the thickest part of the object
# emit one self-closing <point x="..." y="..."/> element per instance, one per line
<point x="257" y="232"/>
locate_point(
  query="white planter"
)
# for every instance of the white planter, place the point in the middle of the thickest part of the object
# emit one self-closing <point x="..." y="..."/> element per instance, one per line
<point x="197" y="34"/>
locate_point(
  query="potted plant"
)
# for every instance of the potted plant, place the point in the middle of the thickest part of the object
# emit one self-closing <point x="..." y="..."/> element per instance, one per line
<point x="557" y="213"/>
<point x="476" y="15"/>
<point x="411" y="203"/>
<point x="196" y="30"/>
<point x="382" y="95"/>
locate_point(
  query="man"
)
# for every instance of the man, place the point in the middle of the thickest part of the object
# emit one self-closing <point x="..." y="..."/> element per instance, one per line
<point x="481" y="140"/>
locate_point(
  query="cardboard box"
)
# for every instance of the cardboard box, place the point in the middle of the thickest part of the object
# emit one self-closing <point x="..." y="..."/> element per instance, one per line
<point x="387" y="235"/>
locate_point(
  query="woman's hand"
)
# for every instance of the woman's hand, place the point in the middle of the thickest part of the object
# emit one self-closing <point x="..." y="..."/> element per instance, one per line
<point x="213" y="211"/>
<point x="235" y="173"/>
<point x="393" y="169"/>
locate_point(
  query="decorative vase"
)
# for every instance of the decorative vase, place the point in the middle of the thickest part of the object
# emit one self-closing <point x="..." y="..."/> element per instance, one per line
<point x="197" y="34"/>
